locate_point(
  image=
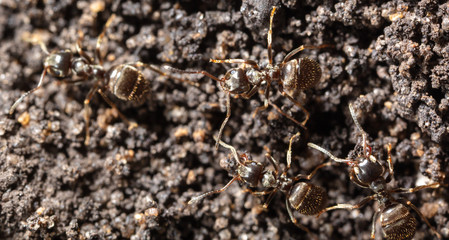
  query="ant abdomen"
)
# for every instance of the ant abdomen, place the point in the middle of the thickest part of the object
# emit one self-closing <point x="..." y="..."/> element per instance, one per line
<point x="127" y="82"/>
<point x="307" y="199"/>
<point x="58" y="64"/>
<point x="300" y="74"/>
<point x="397" y="222"/>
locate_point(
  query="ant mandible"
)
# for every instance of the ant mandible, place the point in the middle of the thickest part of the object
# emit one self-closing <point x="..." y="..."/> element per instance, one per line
<point x="302" y="196"/>
<point x="295" y="74"/>
<point x="125" y="81"/>
<point x="367" y="172"/>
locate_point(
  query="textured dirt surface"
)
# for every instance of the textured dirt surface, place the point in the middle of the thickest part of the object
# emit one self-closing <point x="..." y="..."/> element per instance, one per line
<point x="390" y="58"/>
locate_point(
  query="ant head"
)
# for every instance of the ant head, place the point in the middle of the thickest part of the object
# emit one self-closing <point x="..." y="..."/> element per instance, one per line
<point x="58" y="64"/>
<point x="235" y="81"/>
<point x="251" y="173"/>
<point x="231" y="164"/>
<point x="367" y="169"/>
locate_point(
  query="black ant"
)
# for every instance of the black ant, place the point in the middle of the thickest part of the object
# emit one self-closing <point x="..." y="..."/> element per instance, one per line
<point x="125" y="81"/>
<point x="302" y="196"/>
<point x="291" y="74"/>
<point x="367" y="172"/>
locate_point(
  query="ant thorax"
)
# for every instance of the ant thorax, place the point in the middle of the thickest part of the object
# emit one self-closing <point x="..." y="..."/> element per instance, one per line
<point x="379" y="186"/>
<point x="242" y="80"/>
<point x="257" y="77"/>
<point x="285" y="183"/>
<point x="81" y="67"/>
<point x="269" y="179"/>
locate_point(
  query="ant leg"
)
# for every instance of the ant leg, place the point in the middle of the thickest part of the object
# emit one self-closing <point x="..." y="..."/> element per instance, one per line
<point x="308" y="177"/>
<point x="236" y="60"/>
<point x="87" y="111"/>
<point x="250" y="93"/>
<point x="348" y="206"/>
<point x="79" y="48"/>
<point x="100" y="38"/>
<point x="200" y="197"/>
<point x="225" y="121"/>
<point x="73" y="81"/>
<point x="294" y="221"/>
<point x="415" y="189"/>
<point x="273" y="162"/>
<point x="157" y="70"/>
<point x="131" y="125"/>
<point x="13" y="107"/>
<point x="234" y="152"/>
<point x="169" y="68"/>
<point x="432" y="229"/>
<point x="373" y="224"/>
<point x="300" y="48"/>
<point x="258" y="193"/>
<point x="265" y="102"/>
<point x="390" y="165"/>
<point x="286" y="115"/>
<point x="303" y="123"/>
<point x="270" y="197"/>
<point x="276" y="170"/>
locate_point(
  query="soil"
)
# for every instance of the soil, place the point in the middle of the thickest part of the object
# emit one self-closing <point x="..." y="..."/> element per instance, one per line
<point x="389" y="58"/>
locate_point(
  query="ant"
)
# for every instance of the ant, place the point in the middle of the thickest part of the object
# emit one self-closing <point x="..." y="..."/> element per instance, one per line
<point x="367" y="172"/>
<point x="125" y="81"/>
<point x="302" y="196"/>
<point x="244" y="81"/>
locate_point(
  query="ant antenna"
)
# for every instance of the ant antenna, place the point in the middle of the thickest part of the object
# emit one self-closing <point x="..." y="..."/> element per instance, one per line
<point x="312" y="145"/>
<point x="13" y="107"/>
<point x="269" y="37"/>
<point x="196" y="199"/>
<point x="234" y="152"/>
<point x="289" y="152"/>
<point x="366" y="148"/>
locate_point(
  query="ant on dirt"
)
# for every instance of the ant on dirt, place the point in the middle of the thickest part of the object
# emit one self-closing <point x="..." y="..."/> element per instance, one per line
<point x="244" y="81"/>
<point x="302" y="196"/>
<point x="367" y="172"/>
<point x="125" y="81"/>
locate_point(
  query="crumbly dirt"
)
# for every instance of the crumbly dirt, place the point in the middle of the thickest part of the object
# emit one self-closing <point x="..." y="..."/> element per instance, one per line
<point x="390" y="58"/>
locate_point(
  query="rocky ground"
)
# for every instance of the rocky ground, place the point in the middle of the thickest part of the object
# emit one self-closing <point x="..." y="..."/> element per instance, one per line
<point x="390" y="58"/>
